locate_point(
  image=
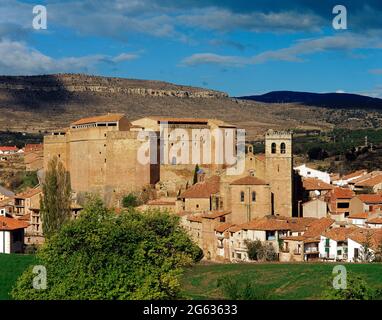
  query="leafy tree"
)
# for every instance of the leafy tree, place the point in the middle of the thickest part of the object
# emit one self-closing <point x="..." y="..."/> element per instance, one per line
<point x="254" y="247"/>
<point x="130" y="201"/>
<point x="317" y="153"/>
<point x="102" y="255"/>
<point x="365" y="254"/>
<point x="195" y="180"/>
<point x="356" y="289"/>
<point x="56" y="200"/>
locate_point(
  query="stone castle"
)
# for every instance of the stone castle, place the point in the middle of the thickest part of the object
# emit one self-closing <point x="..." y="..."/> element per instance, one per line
<point x="101" y="155"/>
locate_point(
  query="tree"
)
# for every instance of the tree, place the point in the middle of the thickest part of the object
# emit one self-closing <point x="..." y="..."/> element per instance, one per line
<point x="130" y="201"/>
<point x="254" y="247"/>
<point x="259" y="251"/>
<point x="104" y="255"/>
<point x="356" y="289"/>
<point x="56" y="200"/>
<point x="195" y="180"/>
<point x="366" y="254"/>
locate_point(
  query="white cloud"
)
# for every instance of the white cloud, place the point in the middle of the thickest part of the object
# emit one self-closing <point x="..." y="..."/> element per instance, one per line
<point x="211" y="58"/>
<point x="19" y="59"/>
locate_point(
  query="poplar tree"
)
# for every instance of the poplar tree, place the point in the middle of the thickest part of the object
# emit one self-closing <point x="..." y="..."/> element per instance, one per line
<point x="56" y="200"/>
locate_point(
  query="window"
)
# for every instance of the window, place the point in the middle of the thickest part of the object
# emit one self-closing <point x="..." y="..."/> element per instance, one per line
<point x="242" y="196"/>
<point x="339" y="252"/>
<point x="253" y="196"/>
<point x="282" y="148"/>
<point x="197" y="206"/>
<point x="343" y="205"/>
<point x="327" y="242"/>
<point x="173" y="161"/>
<point x="273" y="148"/>
<point x="356" y="253"/>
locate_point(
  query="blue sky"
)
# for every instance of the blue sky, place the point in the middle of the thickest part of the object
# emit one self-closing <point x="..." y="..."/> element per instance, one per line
<point x="240" y="47"/>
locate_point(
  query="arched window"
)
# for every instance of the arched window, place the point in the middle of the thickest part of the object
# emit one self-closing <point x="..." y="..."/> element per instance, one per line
<point x="282" y="147"/>
<point x="253" y="196"/>
<point x="273" y="147"/>
<point x="173" y="160"/>
<point x="242" y="196"/>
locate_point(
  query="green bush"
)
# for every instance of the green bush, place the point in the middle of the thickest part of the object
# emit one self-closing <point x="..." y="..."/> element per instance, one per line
<point x="102" y="255"/>
<point x="130" y="201"/>
<point x="235" y="290"/>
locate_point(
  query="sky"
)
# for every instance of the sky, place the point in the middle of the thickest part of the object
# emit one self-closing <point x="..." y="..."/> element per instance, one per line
<point x="239" y="47"/>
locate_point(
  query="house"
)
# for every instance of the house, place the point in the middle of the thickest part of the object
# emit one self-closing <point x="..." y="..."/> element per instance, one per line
<point x="305" y="247"/>
<point x="373" y="184"/>
<point x="346" y="179"/>
<point x="202" y="196"/>
<point x="11" y="235"/>
<point x="357" y="183"/>
<point x="333" y="244"/>
<point x="307" y="172"/>
<point x="5" y="193"/>
<point x="316" y="208"/>
<point x="8" y="150"/>
<point x="363" y="244"/>
<point x="34" y="157"/>
<point x="164" y="204"/>
<point x="26" y="200"/>
<point x="6" y="208"/>
<point x="358" y="219"/>
<point x="365" y="203"/>
<point x="338" y="201"/>
<point x="315" y="188"/>
<point x="375" y="223"/>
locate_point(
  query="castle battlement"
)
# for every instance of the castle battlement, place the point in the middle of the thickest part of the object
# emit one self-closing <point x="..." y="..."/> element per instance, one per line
<point x="282" y="134"/>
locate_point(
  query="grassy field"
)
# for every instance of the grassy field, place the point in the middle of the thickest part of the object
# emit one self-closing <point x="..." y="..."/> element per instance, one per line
<point x="11" y="267"/>
<point x="280" y="281"/>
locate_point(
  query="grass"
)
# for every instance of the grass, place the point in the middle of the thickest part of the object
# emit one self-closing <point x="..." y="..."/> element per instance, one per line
<point x="11" y="267"/>
<point x="278" y="280"/>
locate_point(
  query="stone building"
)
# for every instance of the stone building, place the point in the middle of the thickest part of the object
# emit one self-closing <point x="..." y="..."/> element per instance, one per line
<point x="101" y="155"/>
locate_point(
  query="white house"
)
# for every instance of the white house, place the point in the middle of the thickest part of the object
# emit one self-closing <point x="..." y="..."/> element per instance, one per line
<point x="307" y="172"/>
<point x="375" y="223"/>
<point x="349" y="177"/>
<point x="11" y="235"/>
<point x="358" y="219"/>
<point x="357" y="241"/>
<point x="334" y="244"/>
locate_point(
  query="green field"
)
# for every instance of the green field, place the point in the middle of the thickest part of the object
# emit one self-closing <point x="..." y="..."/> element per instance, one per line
<point x="279" y="281"/>
<point x="11" y="267"/>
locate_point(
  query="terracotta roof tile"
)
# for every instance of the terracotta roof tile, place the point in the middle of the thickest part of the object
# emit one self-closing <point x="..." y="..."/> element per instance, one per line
<point x="370" y="182"/>
<point x="359" y="215"/>
<point x="249" y="180"/>
<point x="362" y="235"/>
<point x="370" y="198"/>
<point x="338" y="234"/>
<point x="5" y="148"/>
<point x="223" y="227"/>
<point x="317" y="227"/>
<point x="194" y="218"/>
<point x="341" y="193"/>
<point x="315" y="184"/>
<point x="9" y="224"/>
<point x="29" y="193"/>
<point x="215" y="214"/>
<point x="33" y="147"/>
<point x="203" y="189"/>
<point x="377" y="220"/>
<point x="111" y="117"/>
<point x="354" y="174"/>
<point x="266" y="224"/>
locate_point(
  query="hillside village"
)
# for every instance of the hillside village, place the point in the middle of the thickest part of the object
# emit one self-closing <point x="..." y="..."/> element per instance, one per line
<point x="299" y="213"/>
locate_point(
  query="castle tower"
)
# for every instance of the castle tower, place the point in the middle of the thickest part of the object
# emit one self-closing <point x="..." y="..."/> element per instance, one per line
<point x="279" y="170"/>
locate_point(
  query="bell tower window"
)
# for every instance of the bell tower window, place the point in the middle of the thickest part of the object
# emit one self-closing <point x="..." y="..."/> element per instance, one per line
<point x="273" y="147"/>
<point x="282" y="148"/>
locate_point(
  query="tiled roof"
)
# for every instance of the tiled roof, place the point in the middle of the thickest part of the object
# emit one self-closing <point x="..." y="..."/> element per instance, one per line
<point x="29" y="193"/>
<point x="5" y="148"/>
<point x="362" y="235"/>
<point x="338" y="234"/>
<point x="180" y="120"/>
<point x="377" y="220"/>
<point x="203" y="189"/>
<point x="215" y="214"/>
<point x="249" y="180"/>
<point x="315" y="184"/>
<point x="234" y="229"/>
<point x="366" y="176"/>
<point x="194" y="218"/>
<point x="341" y="193"/>
<point x="317" y="227"/>
<point x="9" y="224"/>
<point x="161" y="202"/>
<point x="223" y="227"/>
<point x="300" y="224"/>
<point x="360" y="215"/>
<point x="6" y="192"/>
<point x="111" y="117"/>
<point x="371" y="182"/>
<point x="370" y="198"/>
<point x="33" y="147"/>
<point x="354" y="174"/>
<point x="266" y="224"/>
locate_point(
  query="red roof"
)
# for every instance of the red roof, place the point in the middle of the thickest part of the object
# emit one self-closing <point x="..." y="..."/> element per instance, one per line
<point x="5" y="148"/>
<point x="105" y="118"/>
<point x="266" y="224"/>
<point x="315" y="184"/>
<point x="249" y="180"/>
<point x="360" y="215"/>
<point x="203" y="189"/>
<point x="9" y="224"/>
<point x="370" y="198"/>
<point x="377" y="220"/>
<point x="354" y="174"/>
<point x="223" y="227"/>
<point x="317" y="227"/>
<point x="33" y="147"/>
<point x="341" y="193"/>
<point x="370" y="182"/>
